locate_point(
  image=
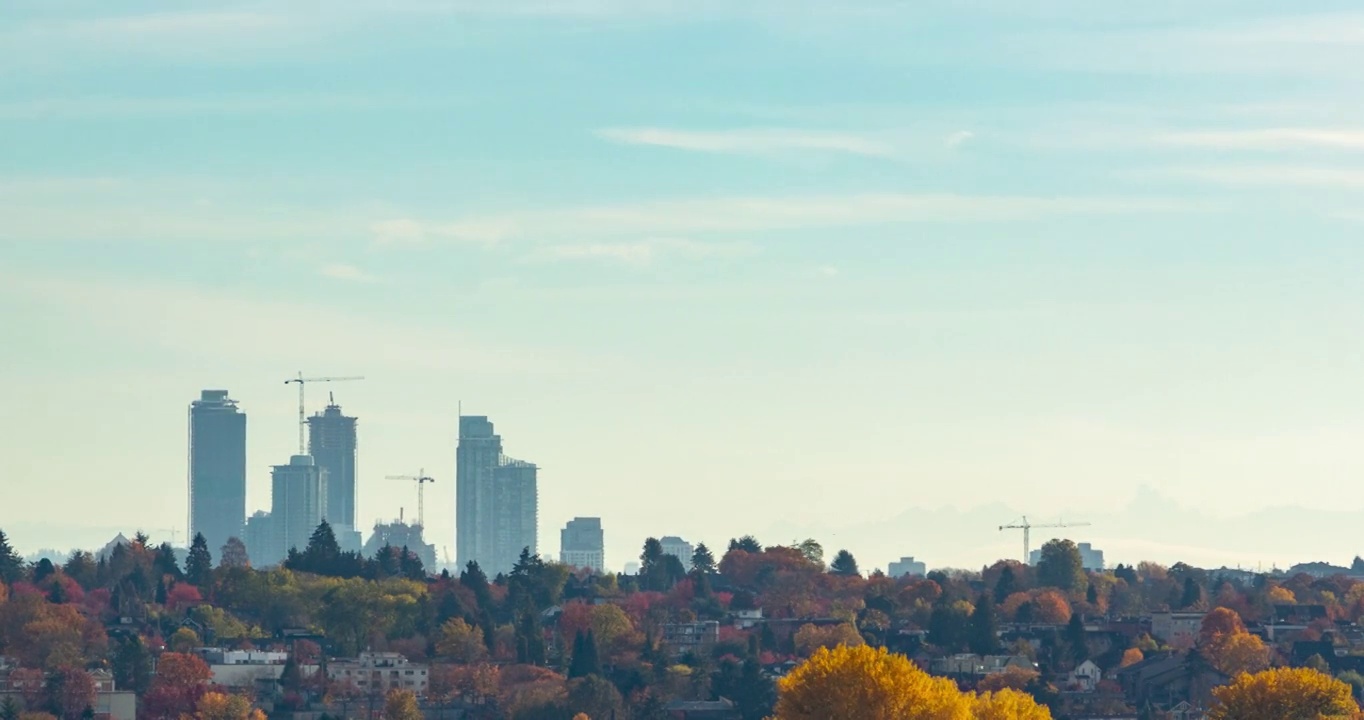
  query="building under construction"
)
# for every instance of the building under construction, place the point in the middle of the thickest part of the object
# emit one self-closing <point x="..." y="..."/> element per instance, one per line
<point x="399" y="534"/>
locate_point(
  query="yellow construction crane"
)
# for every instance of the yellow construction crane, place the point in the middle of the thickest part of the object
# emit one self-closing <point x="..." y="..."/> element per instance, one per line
<point x="421" y="479"/>
<point x="302" y="412"/>
<point x="1027" y="527"/>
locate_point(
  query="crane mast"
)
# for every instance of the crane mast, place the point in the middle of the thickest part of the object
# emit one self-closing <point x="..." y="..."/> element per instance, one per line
<point x="1027" y="527"/>
<point x="302" y="411"/>
<point x="421" y="478"/>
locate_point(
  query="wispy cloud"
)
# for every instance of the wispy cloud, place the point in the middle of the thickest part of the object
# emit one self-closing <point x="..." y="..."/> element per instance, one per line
<point x="399" y="231"/>
<point x="686" y="218"/>
<point x="1269" y="139"/>
<point x="643" y="252"/>
<point x="956" y="139"/>
<point x="1271" y="175"/>
<point x="343" y="271"/>
<point x="749" y="141"/>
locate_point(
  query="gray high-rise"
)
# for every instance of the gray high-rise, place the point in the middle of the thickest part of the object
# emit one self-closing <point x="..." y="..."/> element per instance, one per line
<point x="298" y="504"/>
<point x="217" y="469"/>
<point x="496" y="500"/>
<point x="331" y="442"/>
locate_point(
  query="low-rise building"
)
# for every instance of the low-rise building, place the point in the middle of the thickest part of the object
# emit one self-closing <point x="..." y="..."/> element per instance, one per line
<point x="681" y="638"/>
<point x="379" y="672"/>
<point x="1179" y="630"/>
<point x="110" y="702"/>
<point x="907" y="567"/>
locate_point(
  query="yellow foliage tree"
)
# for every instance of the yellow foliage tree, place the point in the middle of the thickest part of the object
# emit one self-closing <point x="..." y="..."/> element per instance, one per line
<point x="1283" y="694"/>
<point x="1013" y="678"/>
<point x="810" y="638"/>
<point x="863" y="683"/>
<point x="1280" y="595"/>
<point x="221" y="706"/>
<point x="184" y="640"/>
<point x="1008" y="705"/>
<point x="461" y="642"/>
<point x="401" y="705"/>
<point x="1239" y="653"/>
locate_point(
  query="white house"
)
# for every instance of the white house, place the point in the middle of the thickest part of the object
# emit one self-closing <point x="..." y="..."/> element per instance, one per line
<point x="1086" y="676"/>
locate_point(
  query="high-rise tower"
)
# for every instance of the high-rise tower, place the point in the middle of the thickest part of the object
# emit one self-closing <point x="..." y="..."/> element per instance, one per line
<point x="331" y="442"/>
<point x="495" y="499"/>
<point x="298" y="504"/>
<point x="217" y="468"/>
<point x="582" y="544"/>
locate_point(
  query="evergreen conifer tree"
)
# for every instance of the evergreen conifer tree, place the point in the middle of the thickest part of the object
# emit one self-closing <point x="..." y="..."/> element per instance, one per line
<point x="982" y="636"/>
<point x="1006" y="585"/>
<point x="199" y="564"/>
<point x="11" y="565"/>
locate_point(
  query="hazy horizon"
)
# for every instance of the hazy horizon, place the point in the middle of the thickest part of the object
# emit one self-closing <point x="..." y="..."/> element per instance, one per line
<point x="805" y="269"/>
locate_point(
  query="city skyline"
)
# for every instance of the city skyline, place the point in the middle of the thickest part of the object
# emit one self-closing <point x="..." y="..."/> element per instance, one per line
<point x="842" y="270"/>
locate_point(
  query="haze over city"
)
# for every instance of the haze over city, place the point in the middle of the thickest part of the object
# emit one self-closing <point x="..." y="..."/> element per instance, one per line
<point x="887" y="275"/>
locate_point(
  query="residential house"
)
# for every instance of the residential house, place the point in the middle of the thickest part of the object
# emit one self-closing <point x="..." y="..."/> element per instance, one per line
<point x="747" y="619"/>
<point x="1164" y="680"/>
<point x="971" y="666"/>
<point x="721" y="709"/>
<point x="1085" y="677"/>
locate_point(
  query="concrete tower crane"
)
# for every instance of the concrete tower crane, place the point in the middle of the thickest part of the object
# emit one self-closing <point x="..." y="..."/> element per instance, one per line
<point x="421" y="478"/>
<point x="302" y="411"/>
<point x="1027" y="527"/>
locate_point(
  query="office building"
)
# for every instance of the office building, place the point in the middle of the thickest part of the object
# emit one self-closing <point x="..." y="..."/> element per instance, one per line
<point x="495" y="500"/>
<point x="582" y="544"/>
<point x="907" y="566"/>
<point x="332" y="442"/>
<point x="298" y="503"/>
<point x="217" y="468"/>
<point x="681" y="549"/>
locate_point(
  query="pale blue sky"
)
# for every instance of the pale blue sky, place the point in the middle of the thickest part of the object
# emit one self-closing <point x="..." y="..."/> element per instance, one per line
<point x="719" y="267"/>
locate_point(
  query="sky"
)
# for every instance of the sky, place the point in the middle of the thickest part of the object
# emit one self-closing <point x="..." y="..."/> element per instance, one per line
<point x="844" y="269"/>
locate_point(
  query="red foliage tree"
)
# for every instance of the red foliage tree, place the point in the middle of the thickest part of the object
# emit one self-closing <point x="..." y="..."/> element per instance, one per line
<point x="179" y="682"/>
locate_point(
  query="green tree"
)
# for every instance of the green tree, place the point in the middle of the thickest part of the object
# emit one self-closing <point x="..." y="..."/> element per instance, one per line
<point x="844" y="564"/>
<point x="9" y="708"/>
<point x="747" y="543"/>
<point x="982" y="636"/>
<point x="1192" y="595"/>
<point x="1060" y="566"/>
<point x="1006" y="585"/>
<point x="131" y="664"/>
<point x="947" y="627"/>
<point x="1075" y="639"/>
<point x="322" y="553"/>
<point x="82" y="568"/>
<point x="702" y="561"/>
<point x="199" y="564"/>
<point x="812" y="550"/>
<point x="11" y="565"/>
<point x="586" y="660"/>
<point x="594" y="696"/>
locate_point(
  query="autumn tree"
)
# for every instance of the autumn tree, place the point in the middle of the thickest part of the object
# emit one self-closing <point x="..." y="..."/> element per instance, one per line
<point x="184" y="640"/>
<point x="180" y="681"/>
<point x="223" y="706"/>
<point x="1060" y="566"/>
<point x="1131" y="656"/>
<point x="811" y="637"/>
<point x="70" y="692"/>
<point x="1224" y="641"/>
<point x="1283" y="694"/>
<point x="1008" y="704"/>
<point x="844" y="564"/>
<point x="401" y="705"/>
<point x="234" y="554"/>
<point x="199" y="563"/>
<point x="461" y="642"/>
<point x="861" y="683"/>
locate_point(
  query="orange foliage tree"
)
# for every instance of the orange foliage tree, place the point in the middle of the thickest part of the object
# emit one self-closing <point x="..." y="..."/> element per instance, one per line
<point x="1223" y="640"/>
